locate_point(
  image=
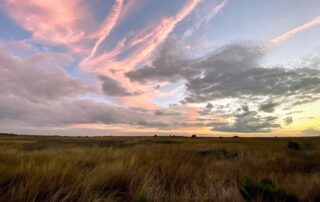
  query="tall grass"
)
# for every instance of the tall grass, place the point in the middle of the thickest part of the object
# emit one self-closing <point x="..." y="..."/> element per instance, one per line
<point x="154" y="169"/>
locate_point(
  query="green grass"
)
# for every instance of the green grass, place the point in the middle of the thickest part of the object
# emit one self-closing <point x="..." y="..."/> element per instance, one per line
<point x="158" y="169"/>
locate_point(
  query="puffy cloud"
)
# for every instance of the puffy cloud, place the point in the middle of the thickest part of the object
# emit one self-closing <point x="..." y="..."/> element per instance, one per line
<point x="37" y="78"/>
<point x="36" y="91"/>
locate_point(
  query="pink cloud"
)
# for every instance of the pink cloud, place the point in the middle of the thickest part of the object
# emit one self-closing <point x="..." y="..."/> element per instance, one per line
<point x="107" y="26"/>
<point x="146" y="42"/>
<point x="70" y="23"/>
<point x="53" y="21"/>
<point x="287" y="35"/>
<point x="158" y="35"/>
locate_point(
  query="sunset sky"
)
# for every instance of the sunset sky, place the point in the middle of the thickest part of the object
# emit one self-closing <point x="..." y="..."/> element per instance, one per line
<point x="144" y="67"/>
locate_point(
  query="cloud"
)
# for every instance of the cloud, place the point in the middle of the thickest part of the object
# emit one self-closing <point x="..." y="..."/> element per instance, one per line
<point x="107" y="26"/>
<point x="167" y="66"/>
<point x="268" y="106"/>
<point x="37" y="92"/>
<point x="52" y="21"/>
<point x="233" y="71"/>
<point x="145" y="42"/>
<point x="113" y="88"/>
<point x="311" y="132"/>
<point x="288" y="120"/>
<point x="249" y="122"/>
<point x="22" y="47"/>
<point x="66" y="112"/>
<point x="38" y="78"/>
<point x="211" y="13"/>
<point x="292" y="32"/>
<point x="159" y="34"/>
<point x="167" y="113"/>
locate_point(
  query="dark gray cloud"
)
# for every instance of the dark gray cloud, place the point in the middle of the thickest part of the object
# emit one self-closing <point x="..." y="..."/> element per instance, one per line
<point x="172" y="64"/>
<point x="167" y="113"/>
<point x="245" y="108"/>
<point x="233" y="71"/>
<point x="288" y="120"/>
<point x="156" y="124"/>
<point x="209" y="106"/>
<point x="168" y="66"/>
<point x="113" y="88"/>
<point x="249" y="122"/>
<point x="268" y="107"/>
<point x="252" y="82"/>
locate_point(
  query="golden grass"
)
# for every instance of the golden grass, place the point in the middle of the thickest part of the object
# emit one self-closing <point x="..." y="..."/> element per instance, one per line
<point x="152" y="168"/>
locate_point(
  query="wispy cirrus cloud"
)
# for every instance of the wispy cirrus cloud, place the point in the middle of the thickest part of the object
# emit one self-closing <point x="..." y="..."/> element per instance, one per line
<point x="145" y="44"/>
<point x="107" y="26"/>
<point x="287" y="35"/>
<point x="206" y="18"/>
<point x="147" y="41"/>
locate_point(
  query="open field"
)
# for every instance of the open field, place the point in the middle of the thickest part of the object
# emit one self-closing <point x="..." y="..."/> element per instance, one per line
<point x="158" y="169"/>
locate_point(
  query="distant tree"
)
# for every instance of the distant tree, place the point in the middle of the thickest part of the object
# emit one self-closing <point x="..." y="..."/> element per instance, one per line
<point x="193" y="136"/>
<point x="155" y="135"/>
<point x="236" y="136"/>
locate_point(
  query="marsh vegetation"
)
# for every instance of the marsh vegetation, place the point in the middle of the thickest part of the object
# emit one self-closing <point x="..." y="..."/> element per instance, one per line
<point x="158" y="169"/>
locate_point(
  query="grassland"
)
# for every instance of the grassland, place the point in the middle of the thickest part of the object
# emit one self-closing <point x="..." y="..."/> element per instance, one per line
<point x="160" y="169"/>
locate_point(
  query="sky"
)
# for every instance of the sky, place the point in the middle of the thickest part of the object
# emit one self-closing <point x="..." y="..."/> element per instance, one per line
<point x="145" y="67"/>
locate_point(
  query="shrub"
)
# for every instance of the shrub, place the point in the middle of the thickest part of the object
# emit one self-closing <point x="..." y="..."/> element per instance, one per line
<point x="307" y="145"/>
<point x="294" y="145"/>
<point x="218" y="153"/>
<point x="141" y="199"/>
<point x="263" y="190"/>
<point x="193" y="136"/>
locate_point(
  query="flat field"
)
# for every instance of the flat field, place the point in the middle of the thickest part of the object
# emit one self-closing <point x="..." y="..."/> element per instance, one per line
<point x="163" y="169"/>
